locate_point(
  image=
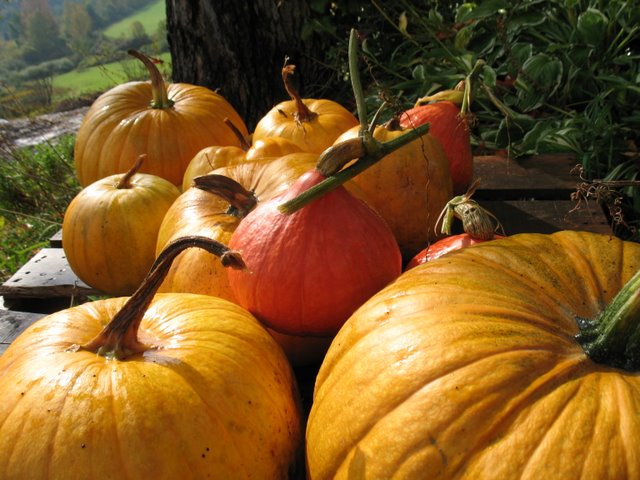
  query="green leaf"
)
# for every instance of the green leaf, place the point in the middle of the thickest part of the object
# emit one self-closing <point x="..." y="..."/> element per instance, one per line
<point x="471" y="11"/>
<point x="592" y="26"/>
<point x="463" y="36"/>
<point x="540" y="77"/>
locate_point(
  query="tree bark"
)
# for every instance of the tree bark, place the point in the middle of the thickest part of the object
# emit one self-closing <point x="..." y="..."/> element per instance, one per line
<point x="238" y="48"/>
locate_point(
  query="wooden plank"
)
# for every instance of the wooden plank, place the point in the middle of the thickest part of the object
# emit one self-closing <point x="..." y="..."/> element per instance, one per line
<point x="46" y="275"/>
<point x="13" y="324"/>
<point x="56" y="240"/>
<point x="547" y="216"/>
<point x="542" y="177"/>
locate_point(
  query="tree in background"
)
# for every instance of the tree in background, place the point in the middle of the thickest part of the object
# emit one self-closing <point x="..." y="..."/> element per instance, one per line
<point x="42" y="38"/>
<point x="239" y="48"/>
<point x="77" y="27"/>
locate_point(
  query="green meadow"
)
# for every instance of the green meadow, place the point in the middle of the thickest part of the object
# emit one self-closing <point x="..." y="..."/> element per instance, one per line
<point x="150" y="17"/>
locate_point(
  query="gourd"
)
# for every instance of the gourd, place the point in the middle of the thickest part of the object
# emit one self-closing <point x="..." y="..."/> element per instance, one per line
<point x="110" y="229"/>
<point x="170" y="123"/>
<point x="312" y="124"/>
<point x="516" y="358"/>
<point x="165" y="387"/>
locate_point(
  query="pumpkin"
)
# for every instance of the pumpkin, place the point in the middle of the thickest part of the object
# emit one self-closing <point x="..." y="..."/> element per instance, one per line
<point x="170" y="123"/>
<point x="312" y="124"/>
<point x="451" y="129"/>
<point x="165" y="387"/>
<point x="409" y="187"/>
<point x="470" y="366"/>
<point x="199" y="211"/>
<point x="308" y="271"/>
<point x="211" y="158"/>
<point x="110" y="229"/>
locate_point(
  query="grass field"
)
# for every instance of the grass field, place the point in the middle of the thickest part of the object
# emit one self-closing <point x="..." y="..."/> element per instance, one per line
<point x="150" y="17"/>
<point x="100" y="78"/>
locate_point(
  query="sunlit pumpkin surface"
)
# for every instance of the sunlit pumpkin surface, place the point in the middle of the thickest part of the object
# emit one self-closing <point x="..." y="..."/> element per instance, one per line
<point x="215" y="399"/>
<point x="466" y="367"/>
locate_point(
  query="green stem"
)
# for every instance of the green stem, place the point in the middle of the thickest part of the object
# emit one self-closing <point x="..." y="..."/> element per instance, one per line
<point x="356" y="84"/>
<point x="160" y="97"/>
<point x="613" y="338"/>
<point x="119" y="338"/>
<point x="334" y="181"/>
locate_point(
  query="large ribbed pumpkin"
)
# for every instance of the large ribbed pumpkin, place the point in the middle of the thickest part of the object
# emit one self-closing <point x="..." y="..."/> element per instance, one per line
<point x="200" y="390"/>
<point x="468" y="367"/>
<point x="170" y="123"/>
<point x="409" y="187"/>
<point x="110" y="229"/>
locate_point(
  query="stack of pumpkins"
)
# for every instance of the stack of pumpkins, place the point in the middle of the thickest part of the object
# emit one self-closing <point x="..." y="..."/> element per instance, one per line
<point x="473" y="365"/>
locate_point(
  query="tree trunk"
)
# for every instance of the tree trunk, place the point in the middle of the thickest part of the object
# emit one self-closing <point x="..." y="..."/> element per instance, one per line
<point x="238" y="48"/>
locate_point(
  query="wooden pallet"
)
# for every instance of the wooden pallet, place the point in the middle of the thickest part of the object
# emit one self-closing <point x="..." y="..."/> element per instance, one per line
<point x="527" y="195"/>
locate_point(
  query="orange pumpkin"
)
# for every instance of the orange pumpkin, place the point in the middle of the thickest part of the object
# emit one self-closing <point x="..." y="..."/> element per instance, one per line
<point x="188" y="386"/>
<point x="409" y="187"/>
<point x="110" y="229"/>
<point x="468" y="367"/>
<point x="312" y="124"/>
<point x="169" y="123"/>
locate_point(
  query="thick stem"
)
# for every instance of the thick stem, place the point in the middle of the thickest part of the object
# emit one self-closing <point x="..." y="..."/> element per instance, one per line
<point x="303" y="113"/>
<point x="160" y="98"/>
<point x="244" y="144"/>
<point x="125" y="181"/>
<point x="356" y="84"/>
<point x="119" y="338"/>
<point x="613" y="338"/>
<point x="242" y="201"/>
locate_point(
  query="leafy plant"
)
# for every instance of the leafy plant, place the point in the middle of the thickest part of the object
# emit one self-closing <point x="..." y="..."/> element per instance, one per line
<point x="547" y="76"/>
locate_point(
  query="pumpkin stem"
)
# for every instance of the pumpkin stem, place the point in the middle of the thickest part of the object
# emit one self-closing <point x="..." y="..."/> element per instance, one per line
<point x="303" y="113"/>
<point x="477" y="222"/>
<point x="160" y="98"/>
<point x="365" y="149"/>
<point x="613" y="338"/>
<point x="125" y="181"/>
<point x="119" y="338"/>
<point x="244" y="144"/>
<point x="242" y="201"/>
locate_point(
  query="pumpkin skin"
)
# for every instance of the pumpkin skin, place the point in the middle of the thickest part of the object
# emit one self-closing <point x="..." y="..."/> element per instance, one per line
<point x="121" y="125"/>
<point x="215" y="400"/>
<point x="210" y="158"/>
<point x="308" y="271"/>
<point x="109" y="233"/>
<point x="408" y="188"/>
<point x="467" y="367"/>
<point x="452" y="131"/>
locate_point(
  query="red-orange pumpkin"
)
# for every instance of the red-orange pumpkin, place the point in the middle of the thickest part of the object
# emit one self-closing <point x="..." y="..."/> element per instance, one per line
<point x="308" y="271"/>
<point x="451" y="129"/>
